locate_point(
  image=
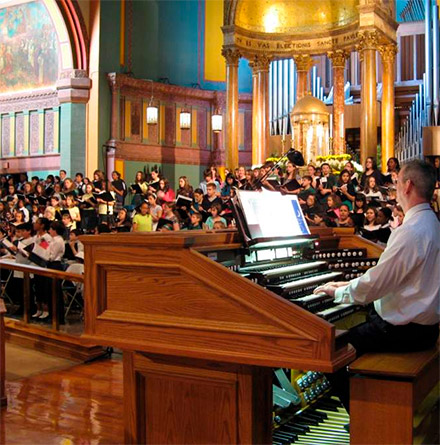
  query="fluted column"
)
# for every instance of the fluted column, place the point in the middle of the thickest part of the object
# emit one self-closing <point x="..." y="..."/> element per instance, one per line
<point x="303" y="64"/>
<point x="260" y="108"/>
<point x="367" y="52"/>
<point x="232" y="57"/>
<point x="338" y="59"/>
<point x="388" y="55"/>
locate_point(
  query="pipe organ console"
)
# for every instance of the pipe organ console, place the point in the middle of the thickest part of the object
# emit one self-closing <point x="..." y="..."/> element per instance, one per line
<point x="223" y="340"/>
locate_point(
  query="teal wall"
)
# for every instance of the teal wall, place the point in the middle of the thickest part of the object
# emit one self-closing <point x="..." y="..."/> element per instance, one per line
<point x="171" y="171"/>
<point x="73" y="138"/>
<point x="168" y="41"/>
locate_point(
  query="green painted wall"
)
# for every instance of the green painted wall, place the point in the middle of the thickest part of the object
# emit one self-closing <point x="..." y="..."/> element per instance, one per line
<point x="73" y="138"/>
<point x="171" y="171"/>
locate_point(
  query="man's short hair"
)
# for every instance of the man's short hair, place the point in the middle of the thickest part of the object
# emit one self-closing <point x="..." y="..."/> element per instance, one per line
<point x="211" y="184"/>
<point x="422" y="175"/>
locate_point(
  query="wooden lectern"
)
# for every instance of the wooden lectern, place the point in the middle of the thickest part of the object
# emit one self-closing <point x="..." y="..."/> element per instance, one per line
<point x="199" y="340"/>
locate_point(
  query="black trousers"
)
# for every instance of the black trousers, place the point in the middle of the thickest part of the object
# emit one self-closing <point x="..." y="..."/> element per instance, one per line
<point x="377" y="335"/>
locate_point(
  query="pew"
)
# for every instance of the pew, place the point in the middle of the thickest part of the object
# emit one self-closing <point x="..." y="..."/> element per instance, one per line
<point x="3" y="400"/>
<point x="394" y="398"/>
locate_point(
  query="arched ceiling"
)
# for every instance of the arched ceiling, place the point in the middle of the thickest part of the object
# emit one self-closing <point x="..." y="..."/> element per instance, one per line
<point x="291" y="17"/>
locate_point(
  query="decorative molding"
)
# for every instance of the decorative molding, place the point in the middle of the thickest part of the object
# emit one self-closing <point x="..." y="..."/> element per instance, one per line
<point x="260" y="62"/>
<point x="231" y="55"/>
<point x="388" y="52"/>
<point x="28" y="101"/>
<point x="303" y="62"/>
<point x="338" y="58"/>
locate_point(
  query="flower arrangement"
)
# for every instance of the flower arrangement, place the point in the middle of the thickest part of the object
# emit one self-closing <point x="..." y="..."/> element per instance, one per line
<point x="337" y="162"/>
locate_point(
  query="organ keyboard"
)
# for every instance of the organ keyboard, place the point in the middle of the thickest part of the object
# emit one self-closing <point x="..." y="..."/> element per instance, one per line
<point x="314" y="415"/>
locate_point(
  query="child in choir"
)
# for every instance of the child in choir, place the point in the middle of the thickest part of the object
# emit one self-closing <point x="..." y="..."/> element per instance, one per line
<point x="171" y="220"/>
<point x="73" y="210"/>
<point x="196" y="221"/>
<point x="165" y="192"/>
<point x="143" y="221"/>
<point x="215" y="211"/>
<point x="370" y="224"/>
<point x="211" y="197"/>
<point x="306" y="189"/>
<point x="345" y="189"/>
<point x="219" y="225"/>
<point x="105" y="209"/>
<point x="344" y="219"/>
<point x="155" y="209"/>
<point x="198" y="201"/>
<point x="123" y="221"/>
<point x="76" y="246"/>
<point x="68" y="225"/>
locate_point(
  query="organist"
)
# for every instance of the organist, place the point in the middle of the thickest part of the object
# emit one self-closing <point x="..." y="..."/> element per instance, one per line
<point x="404" y="286"/>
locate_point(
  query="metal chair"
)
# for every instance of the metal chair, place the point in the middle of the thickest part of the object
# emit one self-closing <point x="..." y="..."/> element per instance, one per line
<point x="73" y="291"/>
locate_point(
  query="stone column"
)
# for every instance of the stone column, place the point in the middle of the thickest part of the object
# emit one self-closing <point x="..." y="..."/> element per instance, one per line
<point x="232" y="57"/>
<point x="388" y="54"/>
<point x="338" y="59"/>
<point x="303" y="64"/>
<point x="367" y="52"/>
<point x="260" y="108"/>
<point x="73" y="94"/>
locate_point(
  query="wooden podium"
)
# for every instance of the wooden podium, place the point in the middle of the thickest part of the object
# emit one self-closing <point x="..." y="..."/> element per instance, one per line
<point x="3" y="399"/>
<point x="199" y="340"/>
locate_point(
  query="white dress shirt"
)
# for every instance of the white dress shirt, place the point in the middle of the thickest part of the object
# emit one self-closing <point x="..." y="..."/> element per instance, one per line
<point x="56" y="248"/>
<point x="405" y="283"/>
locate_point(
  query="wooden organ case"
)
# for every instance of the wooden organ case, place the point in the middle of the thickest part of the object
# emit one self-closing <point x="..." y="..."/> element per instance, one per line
<point x="200" y="336"/>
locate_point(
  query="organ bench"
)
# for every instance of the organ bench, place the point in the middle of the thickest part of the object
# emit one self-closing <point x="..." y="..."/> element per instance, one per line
<point x="394" y="398"/>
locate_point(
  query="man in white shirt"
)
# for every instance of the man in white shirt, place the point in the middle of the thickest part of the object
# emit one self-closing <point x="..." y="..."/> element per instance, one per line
<point x="404" y="285"/>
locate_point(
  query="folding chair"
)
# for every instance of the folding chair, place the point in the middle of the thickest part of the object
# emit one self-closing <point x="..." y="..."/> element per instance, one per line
<point x="4" y="284"/>
<point x="73" y="291"/>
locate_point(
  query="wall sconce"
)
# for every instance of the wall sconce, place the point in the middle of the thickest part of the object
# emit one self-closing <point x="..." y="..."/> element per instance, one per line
<point x="152" y="111"/>
<point x="217" y="122"/>
<point x="185" y="119"/>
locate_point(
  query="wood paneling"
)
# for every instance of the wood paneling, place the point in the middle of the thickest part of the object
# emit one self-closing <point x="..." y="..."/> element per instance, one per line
<point x="2" y="354"/>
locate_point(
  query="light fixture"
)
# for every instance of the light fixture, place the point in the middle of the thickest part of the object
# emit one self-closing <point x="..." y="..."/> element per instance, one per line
<point x="217" y="122"/>
<point x="185" y="119"/>
<point x="152" y="111"/>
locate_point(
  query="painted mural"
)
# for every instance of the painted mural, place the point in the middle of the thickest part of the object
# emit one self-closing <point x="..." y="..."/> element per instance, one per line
<point x="28" y="48"/>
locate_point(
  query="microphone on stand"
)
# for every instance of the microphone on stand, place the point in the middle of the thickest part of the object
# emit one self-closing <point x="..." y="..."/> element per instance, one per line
<point x="294" y="156"/>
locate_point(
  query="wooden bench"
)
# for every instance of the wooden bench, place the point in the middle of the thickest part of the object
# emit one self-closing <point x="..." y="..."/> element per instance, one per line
<point x="2" y="355"/>
<point x="394" y="398"/>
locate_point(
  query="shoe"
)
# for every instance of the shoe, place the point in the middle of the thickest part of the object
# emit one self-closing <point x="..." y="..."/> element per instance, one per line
<point x="37" y="314"/>
<point x="44" y="315"/>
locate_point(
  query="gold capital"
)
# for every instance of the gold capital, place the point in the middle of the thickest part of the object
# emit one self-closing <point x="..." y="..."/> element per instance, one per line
<point x="259" y="63"/>
<point x="388" y="52"/>
<point x="367" y="40"/>
<point x="303" y="62"/>
<point x="338" y="58"/>
<point x="232" y="55"/>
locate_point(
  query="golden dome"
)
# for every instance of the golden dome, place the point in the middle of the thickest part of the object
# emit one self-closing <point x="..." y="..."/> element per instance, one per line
<point x="309" y="105"/>
<point x="291" y="17"/>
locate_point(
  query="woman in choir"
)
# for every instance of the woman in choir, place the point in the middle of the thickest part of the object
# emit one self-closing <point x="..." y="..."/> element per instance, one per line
<point x="291" y="185"/>
<point x="142" y="221"/>
<point x="153" y="183"/>
<point x="354" y="177"/>
<point x="88" y="209"/>
<point x="165" y="192"/>
<point x="98" y="177"/>
<point x="138" y="194"/>
<point x="345" y="189"/>
<point x="119" y="187"/>
<point x="185" y="188"/>
<point x="311" y="208"/>
<point x="69" y="187"/>
<point x="371" y="170"/>
<point x="370" y="223"/>
<point x="371" y="190"/>
<point x="393" y="165"/>
<point x="21" y="206"/>
<point x="155" y="209"/>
